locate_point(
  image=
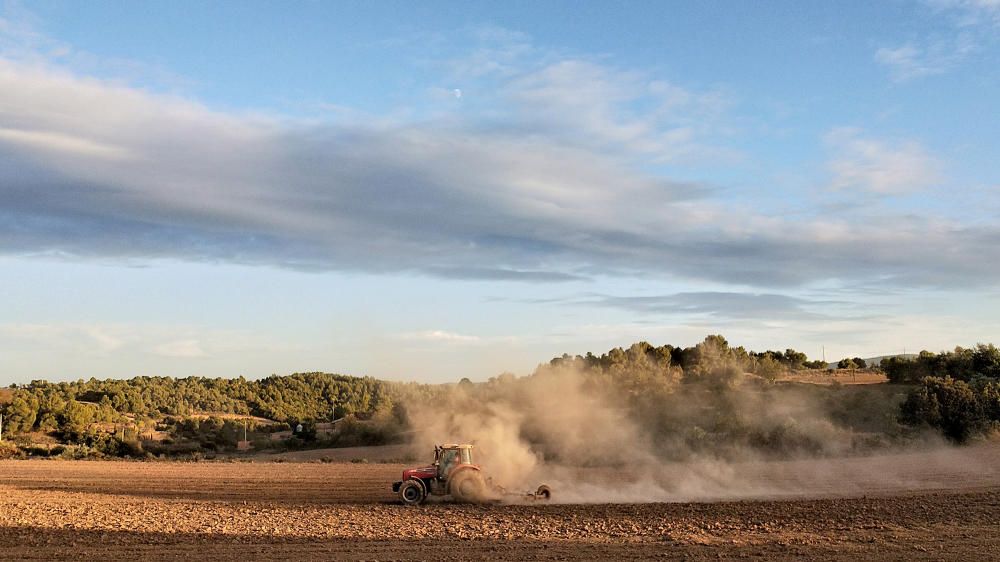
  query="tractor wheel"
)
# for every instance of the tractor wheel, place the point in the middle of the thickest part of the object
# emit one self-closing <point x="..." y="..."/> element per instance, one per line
<point x="543" y="493"/>
<point x="468" y="486"/>
<point x="412" y="492"/>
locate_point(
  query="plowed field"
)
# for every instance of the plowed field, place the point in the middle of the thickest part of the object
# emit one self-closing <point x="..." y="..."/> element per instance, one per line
<point x="930" y="506"/>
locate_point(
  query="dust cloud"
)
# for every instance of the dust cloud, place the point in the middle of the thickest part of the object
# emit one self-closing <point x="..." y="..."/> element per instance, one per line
<point x="596" y="439"/>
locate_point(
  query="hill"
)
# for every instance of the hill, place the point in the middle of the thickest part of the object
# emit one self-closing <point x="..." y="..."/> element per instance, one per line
<point x="711" y="397"/>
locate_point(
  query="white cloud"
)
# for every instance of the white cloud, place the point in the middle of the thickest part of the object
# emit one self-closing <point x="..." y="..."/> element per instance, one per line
<point x="907" y="62"/>
<point x="119" y="339"/>
<point x="585" y="101"/>
<point x="458" y="197"/>
<point x="182" y="349"/>
<point x="970" y="12"/>
<point x="582" y="102"/>
<point x="440" y="336"/>
<point x="878" y="166"/>
<point x="86" y="339"/>
<point x="911" y="61"/>
<point x="967" y="25"/>
<point x="59" y="142"/>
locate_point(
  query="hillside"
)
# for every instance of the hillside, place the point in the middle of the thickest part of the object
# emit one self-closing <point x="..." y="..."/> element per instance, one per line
<point x="711" y="397"/>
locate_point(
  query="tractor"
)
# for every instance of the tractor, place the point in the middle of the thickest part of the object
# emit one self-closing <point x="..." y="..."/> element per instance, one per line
<point x="454" y="474"/>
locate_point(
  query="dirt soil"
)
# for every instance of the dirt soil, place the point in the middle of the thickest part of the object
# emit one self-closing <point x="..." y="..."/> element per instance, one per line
<point x="385" y="453"/>
<point x="295" y="511"/>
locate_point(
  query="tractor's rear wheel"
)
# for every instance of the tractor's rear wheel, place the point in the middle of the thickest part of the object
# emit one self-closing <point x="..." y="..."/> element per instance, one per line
<point x="543" y="493"/>
<point x="412" y="492"/>
<point x="468" y="486"/>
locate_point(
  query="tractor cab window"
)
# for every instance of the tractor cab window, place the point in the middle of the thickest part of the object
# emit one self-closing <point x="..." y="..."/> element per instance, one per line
<point x="466" y="456"/>
<point x="449" y="458"/>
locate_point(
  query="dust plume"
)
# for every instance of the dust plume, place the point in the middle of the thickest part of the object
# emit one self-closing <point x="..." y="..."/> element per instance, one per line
<point x="710" y="432"/>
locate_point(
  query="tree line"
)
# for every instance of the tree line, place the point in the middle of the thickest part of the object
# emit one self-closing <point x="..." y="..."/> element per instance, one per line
<point x="690" y="363"/>
<point x="954" y="392"/>
<point x="69" y="408"/>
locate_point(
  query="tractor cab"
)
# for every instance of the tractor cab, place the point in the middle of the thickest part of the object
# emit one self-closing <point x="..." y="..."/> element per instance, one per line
<point x="449" y="457"/>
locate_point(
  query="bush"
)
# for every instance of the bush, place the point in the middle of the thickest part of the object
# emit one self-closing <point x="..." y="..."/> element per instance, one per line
<point x="36" y="451"/>
<point x="9" y="450"/>
<point x="949" y="405"/>
<point x="79" y="452"/>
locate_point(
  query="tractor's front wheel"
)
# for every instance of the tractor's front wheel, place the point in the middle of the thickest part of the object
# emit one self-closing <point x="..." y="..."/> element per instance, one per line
<point x="412" y="492"/>
<point x="468" y="486"/>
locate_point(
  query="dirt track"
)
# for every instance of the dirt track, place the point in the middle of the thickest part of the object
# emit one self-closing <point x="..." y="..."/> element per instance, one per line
<point x="119" y="510"/>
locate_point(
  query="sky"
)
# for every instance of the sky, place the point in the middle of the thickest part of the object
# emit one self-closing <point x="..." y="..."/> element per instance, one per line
<point x="436" y="190"/>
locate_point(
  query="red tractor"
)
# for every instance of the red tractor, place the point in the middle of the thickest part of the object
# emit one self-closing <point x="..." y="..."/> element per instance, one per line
<point x="453" y="474"/>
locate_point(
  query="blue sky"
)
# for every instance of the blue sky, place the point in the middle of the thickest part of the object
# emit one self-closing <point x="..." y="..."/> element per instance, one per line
<point x="443" y="190"/>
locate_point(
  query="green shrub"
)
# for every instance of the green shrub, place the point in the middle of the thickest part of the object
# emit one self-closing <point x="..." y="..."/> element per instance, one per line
<point x="9" y="450"/>
<point x="949" y="405"/>
<point x="36" y="451"/>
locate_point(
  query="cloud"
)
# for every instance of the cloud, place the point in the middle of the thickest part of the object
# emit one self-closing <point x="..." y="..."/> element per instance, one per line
<point x="584" y="103"/>
<point x="101" y="340"/>
<point x="496" y="274"/>
<point x="98" y="169"/>
<point x="182" y="349"/>
<point x="968" y="25"/>
<point x="200" y="184"/>
<point x="911" y="61"/>
<point x="88" y="339"/>
<point x="879" y="167"/>
<point x="579" y="101"/>
<point x="58" y="142"/>
<point x="719" y="305"/>
<point x="970" y="12"/>
<point x="907" y="62"/>
<point x="440" y="336"/>
<point x="22" y="41"/>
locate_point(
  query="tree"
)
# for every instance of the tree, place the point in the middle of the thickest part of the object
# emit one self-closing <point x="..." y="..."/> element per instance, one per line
<point x="946" y="404"/>
<point x="20" y="414"/>
<point x="986" y="360"/>
<point x="902" y="370"/>
<point x="768" y="368"/>
<point x="74" y="420"/>
<point x="847" y="363"/>
<point x="795" y="359"/>
<point x="989" y="400"/>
